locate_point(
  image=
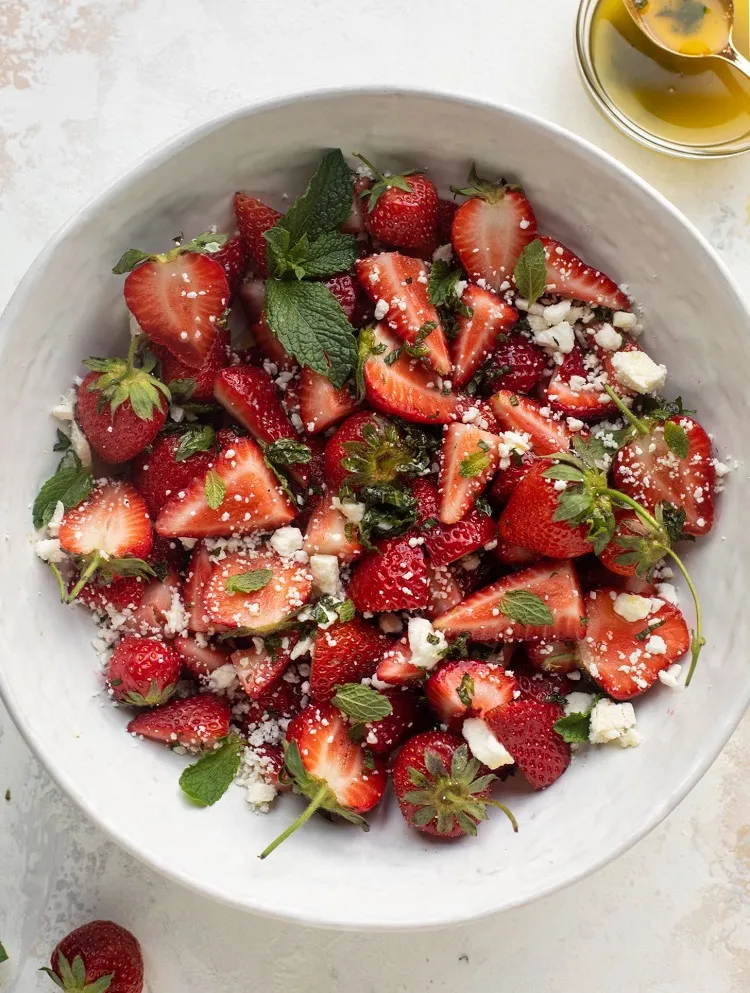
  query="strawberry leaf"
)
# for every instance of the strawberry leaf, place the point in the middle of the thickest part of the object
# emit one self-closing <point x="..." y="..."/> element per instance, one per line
<point x="530" y="272"/>
<point x="208" y="779"/>
<point x="362" y="703"/>
<point x="129" y="260"/>
<point x="182" y="389"/>
<point x="526" y="608"/>
<point x="215" y="489"/>
<point x="197" y="438"/>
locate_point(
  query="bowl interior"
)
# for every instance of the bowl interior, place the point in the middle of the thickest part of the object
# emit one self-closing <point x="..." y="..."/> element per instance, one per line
<point x="70" y="307"/>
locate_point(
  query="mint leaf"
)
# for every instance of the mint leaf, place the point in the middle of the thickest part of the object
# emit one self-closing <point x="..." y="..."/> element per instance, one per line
<point x="215" y="489"/>
<point x="278" y="246"/>
<point x="465" y="690"/>
<point x="677" y="439"/>
<point x="530" y="272"/>
<point x="575" y="728"/>
<point x="474" y="464"/>
<point x="362" y="703"/>
<point x="208" y="779"/>
<point x="129" y="260"/>
<point x="63" y="442"/>
<point x="71" y="484"/>
<point x="645" y="634"/>
<point x="249" y="582"/>
<point x="327" y="202"/>
<point x="198" y="438"/>
<point x="310" y="324"/>
<point x="329" y="254"/>
<point x="563" y="471"/>
<point x="526" y="608"/>
<point x="673" y="520"/>
<point x="3" y="953"/>
<point x="288" y="451"/>
<point x="346" y="611"/>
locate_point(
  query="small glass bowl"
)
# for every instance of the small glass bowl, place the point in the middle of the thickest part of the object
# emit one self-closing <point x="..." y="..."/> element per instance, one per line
<point x="628" y="126"/>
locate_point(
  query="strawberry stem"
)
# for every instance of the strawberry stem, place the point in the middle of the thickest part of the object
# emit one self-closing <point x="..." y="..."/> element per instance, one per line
<point x="85" y="576"/>
<point x="628" y="501"/>
<point x="507" y="811"/>
<point x="60" y="582"/>
<point x="306" y="814"/>
<point x="370" y="166"/>
<point x="635" y="422"/>
<point x="132" y="349"/>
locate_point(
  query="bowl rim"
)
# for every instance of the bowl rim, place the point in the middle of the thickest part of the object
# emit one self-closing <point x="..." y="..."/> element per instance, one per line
<point x="159" y="154"/>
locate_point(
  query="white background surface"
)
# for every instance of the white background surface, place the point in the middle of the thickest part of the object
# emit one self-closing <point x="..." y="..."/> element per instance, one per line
<point x="86" y="87"/>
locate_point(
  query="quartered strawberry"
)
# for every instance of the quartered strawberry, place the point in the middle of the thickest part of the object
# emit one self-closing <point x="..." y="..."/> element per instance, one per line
<point x="401" y="210"/>
<point x="401" y="282"/>
<point x="270" y="346"/>
<point x="367" y="448"/>
<point x="440" y="790"/>
<point x="477" y="336"/>
<point x="445" y="591"/>
<point x="344" y="653"/>
<point x="540" y="685"/>
<point x="624" y="657"/>
<point x="526" y="729"/>
<point x="529" y="519"/>
<point x="446" y="211"/>
<point x="329" y="769"/>
<point x="233" y="257"/>
<point x="396" y="667"/>
<point x="382" y="736"/>
<point x="163" y="471"/>
<point x="392" y="577"/>
<point x="510" y="554"/>
<point x="554" y="583"/>
<point x="327" y="533"/>
<point x="198" y="573"/>
<point x="196" y="385"/>
<point x="445" y="543"/>
<point x="648" y="470"/>
<point x="405" y="386"/>
<point x="109" y="959"/>
<point x="321" y="404"/>
<point x="200" y="659"/>
<point x="143" y="672"/>
<point x="552" y="656"/>
<point x="193" y="722"/>
<point x="250" y="396"/>
<point x="456" y="690"/>
<point x="179" y="301"/>
<point x="583" y="402"/>
<point x="121" y="407"/>
<point x="149" y="618"/>
<point x="258" y="591"/>
<point x="254" y="218"/>
<point x="345" y="290"/>
<point x="506" y="480"/>
<point x="251" y="499"/>
<point x="569" y="277"/>
<point x="469" y="458"/>
<point x="518" y="413"/>
<point x="260" y="671"/>
<point x="491" y="230"/>
<point x="517" y="365"/>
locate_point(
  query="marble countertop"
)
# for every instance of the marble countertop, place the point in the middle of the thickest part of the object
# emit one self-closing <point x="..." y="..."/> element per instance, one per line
<point x="86" y="87"/>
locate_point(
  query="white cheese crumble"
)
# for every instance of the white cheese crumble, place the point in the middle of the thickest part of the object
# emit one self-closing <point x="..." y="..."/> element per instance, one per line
<point x="381" y="309"/>
<point x="637" y="371"/>
<point x="559" y="338"/>
<point x="632" y="607"/>
<point x="443" y="254"/>
<point x="671" y="676"/>
<point x="607" y="338"/>
<point x="578" y="703"/>
<point x="49" y="550"/>
<point x="325" y="574"/>
<point x="224" y="678"/>
<point x="79" y="444"/>
<point x="286" y="541"/>
<point x="426" y="644"/>
<point x="484" y="745"/>
<point x="53" y="528"/>
<point x="64" y="410"/>
<point x="667" y="592"/>
<point x="656" y="645"/>
<point x="624" y="319"/>
<point x="612" y="721"/>
<point x="352" y="511"/>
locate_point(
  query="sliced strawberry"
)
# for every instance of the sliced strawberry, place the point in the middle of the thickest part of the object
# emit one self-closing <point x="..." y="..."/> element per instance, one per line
<point x="355" y="224"/>
<point x="405" y="387"/>
<point x="321" y="404"/>
<point x="529" y="519"/>
<point x="382" y="736"/>
<point x="250" y="396"/>
<point x="196" y="721"/>
<point x="252" y="501"/>
<point x="179" y="303"/>
<point x="585" y="401"/>
<point x="112" y="523"/>
<point x="445" y="590"/>
<point x="456" y="690"/>
<point x="392" y="577"/>
<point x="260" y="671"/>
<point x="327" y="533"/>
<point x="401" y="283"/>
<point x="510" y="554"/>
<point x="623" y="657"/>
<point x="149" y="618"/>
<point x="287" y="588"/>
<point x="269" y="345"/>
<point x="555" y="583"/>
<point x="569" y="277"/>
<point x="491" y="230"/>
<point x="445" y="543"/>
<point x="345" y="290"/>
<point x="552" y="656"/>
<point x="197" y="385"/>
<point x="159" y="474"/>
<point x="233" y="257"/>
<point x="650" y="472"/>
<point x="143" y="672"/>
<point x="198" y="573"/>
<point x="396" y="666"/>
<point x="468" y="460"/>
<point x="526" y="729"/>
<point x="201" y="660"/>
<point x="402" y="210"/>
<point x="506" y="480"/>
<point x="517" y="365"/>
<point x="254" y="218"/>
<point x="517" y="413"/>
<point x="344" y="653"/>
<point x="446" y="211"/>
<point x="283" y="702"/>
<point x="477" y="336"/>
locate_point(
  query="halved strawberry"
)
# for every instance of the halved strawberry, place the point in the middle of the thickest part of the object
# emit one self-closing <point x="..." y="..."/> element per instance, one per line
<point x="552" y="656"/>
<point x="194" y="722"/>
<point x="329" y="768"/>
<point x="196" y="385"/>
<point x="555" y="584"/>
<point x="526" y="729"/>
<point x="396" y="667"/>
<point x="518" y="413"/>
<point x="392" y="577"/>
<point x="321" y="404"/>
<point x="382" y="736"/>
<point x="445" y="543"/>
<point x="233" y="257"/>
<point x="648" y="470"/>
<point x="517" y="365"/>
<point x="569" y="277"/>
<point x="120" y="593"/>
<point x="143" y="672"/>
<point x="161" y="472"/>
<point x="149" y="618"/>
<point x="506" y="480"/>
<point x="529" y="519"/>
<point x="405" y="386"/>
<point x="401" y="283"/>
<point x="456" y="690"/>
<point x="583" y="401"/>
<point x="477" y="336"/>
<point x="259" y="671"/>
<point x="468" y="460"/>
<point x="625" y="657"/>
<point x="327" y="533"/>
<point x="200" y="659"/>
<point x="198" y="573"/>
<point x="344" y="653"/>
<point x="179" y="302"/>
<point x="254" y="218"/>
<point x="401" y="210"/>
<point x="252" y="499"/>
<point x="277" y="590"/>
<point x="628" y="525"/>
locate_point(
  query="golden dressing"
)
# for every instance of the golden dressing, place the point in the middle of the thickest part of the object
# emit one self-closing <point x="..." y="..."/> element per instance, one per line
<point x="687" y="27"/>
<point x="695" y="102"/>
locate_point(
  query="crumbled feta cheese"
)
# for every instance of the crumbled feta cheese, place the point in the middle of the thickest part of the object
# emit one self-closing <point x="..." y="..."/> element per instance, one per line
<point x="557" y="312"/>
<point x="64" y="410"/>
<point x="656" y="645"/>
<point x="610" y="721"/>
<point x="79" y="444"/>
<point x="667" y="592"/>
<point x="352" y="511"/>
<point x="53" y="528"/>
<point x="286" y="541"/>
<point x="381" y="309"/>
<point x="624" y="319"/>
<point x="559" y="338"/>
<point x="390" y="623"/>
<point x="632" y="607"/>
<point x="578" y="703"/>
<point x="259" y="793"/>
<point x="224" y="678"/>
<point x="325" y="574"/>
<point x="671" y="676"/>
<point x="49" y="550"/>
<point x="176" y="619"/>
<point x="484" y="745"/>
<point x="637" y="371"/>
<point x="607" y="338"/>
<point x="188" y="543"/>
<point x="426" y="644"/>
<point x="443" y="254"/>
<point x="574" y="424"/>
<point x="303" y="647"/>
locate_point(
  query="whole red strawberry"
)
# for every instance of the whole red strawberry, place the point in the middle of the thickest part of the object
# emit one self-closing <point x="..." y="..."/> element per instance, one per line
<point x="526" y="728"/>
<point x="143" y="672"/>
<point x="392" y="577"/>
<point x="172" y="464"/>
<point x="121" y="407"/>
<point x="401" y="210"/>
<point x="440" y="790"/>
<point x="98" y="956"/>
<point x="253" y="218"/>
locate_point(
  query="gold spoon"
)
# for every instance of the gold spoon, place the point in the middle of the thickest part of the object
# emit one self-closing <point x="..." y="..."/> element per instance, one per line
<point x="690" y="15"/>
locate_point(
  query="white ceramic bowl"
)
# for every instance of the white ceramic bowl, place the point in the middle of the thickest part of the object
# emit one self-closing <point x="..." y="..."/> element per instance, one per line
<point x="69" y="306"/>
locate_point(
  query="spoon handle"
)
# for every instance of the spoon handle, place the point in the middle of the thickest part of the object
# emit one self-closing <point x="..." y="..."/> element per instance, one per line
<point x="733" y="57"/>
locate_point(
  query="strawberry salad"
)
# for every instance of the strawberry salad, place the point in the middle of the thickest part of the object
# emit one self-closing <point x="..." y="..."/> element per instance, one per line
<point x="413" y="517"/>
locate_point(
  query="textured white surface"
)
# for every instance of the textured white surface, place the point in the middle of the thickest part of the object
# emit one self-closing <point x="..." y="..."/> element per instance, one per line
<point x="84" y="89"/>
